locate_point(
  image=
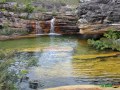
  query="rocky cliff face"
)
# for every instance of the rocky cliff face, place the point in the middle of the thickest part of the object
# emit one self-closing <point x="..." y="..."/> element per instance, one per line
<point x="64" y="24"/>
<point x="38" y="22"/>
<point x="100" y="10"/>
<point x="97" y="16"/>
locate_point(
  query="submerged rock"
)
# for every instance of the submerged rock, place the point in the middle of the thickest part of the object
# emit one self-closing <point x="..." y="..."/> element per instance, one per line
<point x="33" y="84"/>
<point x="96" y="56"/>
<point x="77" y="87"/>
<point x="31" y="50"/>
<point x="58" y="49"/>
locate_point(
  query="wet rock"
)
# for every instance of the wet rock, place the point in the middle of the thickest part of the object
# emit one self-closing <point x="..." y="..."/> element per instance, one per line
<point x="59" y="49"/>
<point x="64" y="24"/>
<point x="33" y="84"/>
<point x="24" y="79"/>
<point x="87" y="57"/>
<point x="31" y="50"/>
<point x="31" y="25"/>
<point x="1" y="26"/>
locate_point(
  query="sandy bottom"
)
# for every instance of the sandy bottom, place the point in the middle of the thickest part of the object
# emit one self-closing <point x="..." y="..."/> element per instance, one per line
<point x="83" y="87"/>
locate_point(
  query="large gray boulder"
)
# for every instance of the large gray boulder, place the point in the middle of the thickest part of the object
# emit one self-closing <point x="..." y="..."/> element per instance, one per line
<point x="100" y="10"/>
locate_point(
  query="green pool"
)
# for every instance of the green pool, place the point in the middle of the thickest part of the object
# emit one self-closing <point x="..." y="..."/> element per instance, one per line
<point x="56" y="65"/>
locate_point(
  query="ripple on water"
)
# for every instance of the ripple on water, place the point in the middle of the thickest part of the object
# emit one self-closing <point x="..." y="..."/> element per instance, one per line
<point x="57" y="65"/>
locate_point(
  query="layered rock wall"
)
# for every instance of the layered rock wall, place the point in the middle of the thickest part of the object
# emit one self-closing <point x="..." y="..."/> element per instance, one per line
<point x="98" y="16"/>
<point x="100" y="10"/>
<point x="65" y="22"/>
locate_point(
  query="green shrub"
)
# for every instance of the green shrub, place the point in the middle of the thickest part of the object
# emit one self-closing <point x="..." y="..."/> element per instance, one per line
<point x="41" y="9"/>
<point x="32" y="62"/>
<point x="8" y="31"/>
<point x="54" y="13"/>
<point x="111" y="40"/>
<point x="2" y="1"/>
<point x="112" y="34"/>
<point x="7" y="78"/>
<point x="29" y="8"/>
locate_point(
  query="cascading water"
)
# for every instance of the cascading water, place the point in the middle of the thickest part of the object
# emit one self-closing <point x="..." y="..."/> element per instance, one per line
<point x="38" y="28"/>
<point x="52" y="26"/>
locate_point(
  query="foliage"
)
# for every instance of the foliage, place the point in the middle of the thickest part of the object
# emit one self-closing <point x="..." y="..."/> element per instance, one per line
<point x="8" y="76"/>
<point x="23" y="72"/>
<point x="54" y="13"/>
<point x="2" y="10"/>
<point x="12" y="31"/>
<point x="32" y="62"/>
<point x="28" y="1"/>
<point x="9" y="31"/>
<point x="3" y="1"/>
<point x="7" y="79"/>
<point x="29" y="8"/>
<point x="111" y="40"/>
<point x="112" y="34"/>
<point x="41" y="9"/>
<point x="6" y="53"/>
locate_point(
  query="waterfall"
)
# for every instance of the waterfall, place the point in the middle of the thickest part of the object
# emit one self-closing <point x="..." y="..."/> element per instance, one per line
<point x="38" y="28"/>
<point x="52" y="26"/>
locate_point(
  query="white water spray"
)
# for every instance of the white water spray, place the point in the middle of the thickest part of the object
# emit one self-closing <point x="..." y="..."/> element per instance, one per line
<point x="52" y="26"/>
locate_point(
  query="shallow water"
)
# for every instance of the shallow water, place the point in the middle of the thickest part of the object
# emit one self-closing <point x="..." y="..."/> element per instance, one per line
<point x="56" y="65"/>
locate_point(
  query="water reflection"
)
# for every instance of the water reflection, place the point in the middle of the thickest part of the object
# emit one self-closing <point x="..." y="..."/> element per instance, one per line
<point x="97" y="67"/>
<point x="56" y="67"/>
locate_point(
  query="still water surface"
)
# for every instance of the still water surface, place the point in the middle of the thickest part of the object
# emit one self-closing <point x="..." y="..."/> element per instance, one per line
<point x="56" y="65"/>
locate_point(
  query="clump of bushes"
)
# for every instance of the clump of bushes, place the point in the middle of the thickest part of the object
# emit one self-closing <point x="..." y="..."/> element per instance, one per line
<point x="7" y="79"/>
<point x="29" y="9"/>
<point x="12" y="31"/>
<point x="40" y="9"/>
<point x="111" y="40"/>
<point x="9" y="31"/>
